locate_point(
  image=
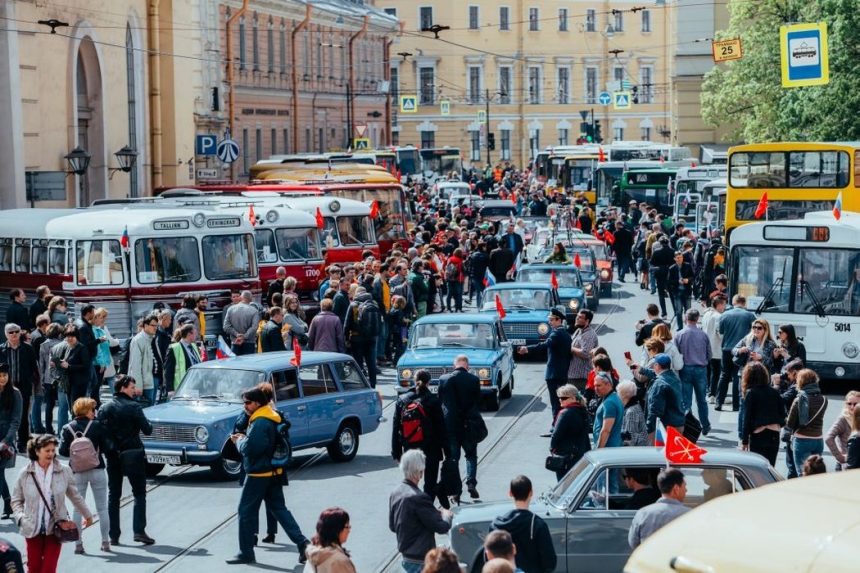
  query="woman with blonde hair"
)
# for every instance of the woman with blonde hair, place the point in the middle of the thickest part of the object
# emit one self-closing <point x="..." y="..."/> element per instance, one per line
<point x="852" y="459"/>
<point x="662" y="332"/>
<point x="570" y="433"/>
<point x="806" y="417"/>
<point x="294" y="325"/>
<point x="757" y="346"/>
<point x="103" y="360"/>
<point x="839" y="433"/>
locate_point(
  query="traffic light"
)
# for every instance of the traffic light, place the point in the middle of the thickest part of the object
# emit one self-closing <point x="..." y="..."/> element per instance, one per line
<point x="491" y="141"/>
<point x="586" y="131"/>
<point x="598" y="137"/>
<point x="635" y="94"/>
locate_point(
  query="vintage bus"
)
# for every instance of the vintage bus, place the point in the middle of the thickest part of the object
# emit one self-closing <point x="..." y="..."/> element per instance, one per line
<point x="693" y="186"/>
<point x="79" y="254"/>
<point x="408" y="161"/>
<point x="650" y="185"/>
<point x="805" y="272"/>
<point x="649" y="151"/>
<point x="798" y="178"/>
<point x="577" y="175"/>
<point x="384" y="159"/>
<point x="440" y="162"/>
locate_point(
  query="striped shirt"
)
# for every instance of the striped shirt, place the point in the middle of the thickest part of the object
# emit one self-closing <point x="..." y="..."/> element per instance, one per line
<point x="584" y="339"/>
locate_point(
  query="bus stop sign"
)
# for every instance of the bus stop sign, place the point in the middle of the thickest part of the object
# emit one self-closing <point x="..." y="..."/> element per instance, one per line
<point x="803" y="53"/>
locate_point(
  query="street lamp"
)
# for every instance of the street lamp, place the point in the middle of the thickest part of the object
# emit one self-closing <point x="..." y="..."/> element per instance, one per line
<point x="126" y="157"/>
<point x="79" y="161"/>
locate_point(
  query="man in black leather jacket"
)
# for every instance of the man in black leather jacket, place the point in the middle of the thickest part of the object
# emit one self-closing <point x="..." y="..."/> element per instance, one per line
<point x="460" y="392"/>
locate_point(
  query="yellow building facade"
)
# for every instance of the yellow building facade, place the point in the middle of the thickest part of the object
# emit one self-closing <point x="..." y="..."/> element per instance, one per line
<point x="537" y="65"/>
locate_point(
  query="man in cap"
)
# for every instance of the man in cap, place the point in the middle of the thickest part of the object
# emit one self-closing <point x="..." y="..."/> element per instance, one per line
<point x="664" y="397"/>
<point x="557" y="347"/>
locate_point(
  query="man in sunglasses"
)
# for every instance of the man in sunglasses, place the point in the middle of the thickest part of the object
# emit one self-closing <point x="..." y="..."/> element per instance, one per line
<point x="23" y="374"/>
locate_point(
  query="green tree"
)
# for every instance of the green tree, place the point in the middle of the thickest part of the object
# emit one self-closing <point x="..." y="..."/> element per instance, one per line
<point x="748" y="94"/>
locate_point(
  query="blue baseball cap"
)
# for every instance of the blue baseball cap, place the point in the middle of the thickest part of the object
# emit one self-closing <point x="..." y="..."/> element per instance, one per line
<point x="663" y="359"/>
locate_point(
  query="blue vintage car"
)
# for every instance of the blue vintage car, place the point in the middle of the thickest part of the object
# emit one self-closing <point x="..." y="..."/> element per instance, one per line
<point x="435" y="340"/>
<point x="327" y="400"/>
<point x="588" y="271"/>
<point x="571" y="291"/>
<point x="527" y="306"/>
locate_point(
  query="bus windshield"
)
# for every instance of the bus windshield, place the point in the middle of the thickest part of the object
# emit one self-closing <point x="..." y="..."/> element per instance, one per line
<point x="229" y="257"/>
<point x="167" y="260"/>
<point x="806" y="169"/>
<point x="407" y="161"/>
<point x="578" y="174"/>
<point x="353" y="231"/>
<point x="393" y="211"/>
<point x="298" y="244"/>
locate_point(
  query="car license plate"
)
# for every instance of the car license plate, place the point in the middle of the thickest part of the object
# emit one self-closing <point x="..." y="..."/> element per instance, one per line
<point x="159" y="459"/>
<point x="517" y="341"/>
<point x="434" y="389"/>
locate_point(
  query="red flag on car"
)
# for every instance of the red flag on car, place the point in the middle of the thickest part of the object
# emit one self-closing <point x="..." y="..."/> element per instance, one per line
<point x="499" y="308"/>
<point x="553" y="280"/>
<point x="374" y="209"/>
<point x="252" y="217"/>
<point x="680" y="450"/>
<point x="320" y="221"/>
<point x="577" y="261"/>
<point x="761" y="210"/>
<point x="296" y="360"/>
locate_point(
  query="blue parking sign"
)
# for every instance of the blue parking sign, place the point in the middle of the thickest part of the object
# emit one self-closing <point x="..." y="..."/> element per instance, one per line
<point x="206" y="144"/>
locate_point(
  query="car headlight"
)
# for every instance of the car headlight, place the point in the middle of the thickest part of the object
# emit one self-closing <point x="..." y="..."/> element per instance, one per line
<point x="543" y="328"/>
<point x="201" y="434"/>
<point x="406" y="374"/>
<point x="604" y="274"/>
<point x="483" y="372"/>
<point x="850" y="350"/>
<point x="589" y="287"/>
<point x="573" y="304"/>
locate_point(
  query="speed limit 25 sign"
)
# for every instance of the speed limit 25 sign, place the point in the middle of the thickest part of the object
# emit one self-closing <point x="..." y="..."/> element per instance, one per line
<point x="726" y="50"/>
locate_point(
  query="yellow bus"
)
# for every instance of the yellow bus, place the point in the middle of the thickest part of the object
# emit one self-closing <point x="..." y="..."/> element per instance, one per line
<point x="577" y="175"/>
<point x="798" y="178"/>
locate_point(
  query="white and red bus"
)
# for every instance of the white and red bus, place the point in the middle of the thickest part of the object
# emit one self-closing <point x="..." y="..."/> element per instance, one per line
<point x="79" y="254"/>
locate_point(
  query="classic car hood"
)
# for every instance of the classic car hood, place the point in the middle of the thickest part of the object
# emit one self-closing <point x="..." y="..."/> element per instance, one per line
<point x="566" y="293"/>
<point x="192" y="411"/>
<point x="487" y="512"/>
<point x="538" y="315"/>
<point x="440" y="357"/>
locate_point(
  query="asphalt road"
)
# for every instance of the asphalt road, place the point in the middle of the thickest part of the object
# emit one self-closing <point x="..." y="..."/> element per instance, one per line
<point x="193" y="517"/>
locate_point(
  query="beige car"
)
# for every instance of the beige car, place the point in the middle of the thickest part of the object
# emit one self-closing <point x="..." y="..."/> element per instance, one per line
<point x="811" y="524"/>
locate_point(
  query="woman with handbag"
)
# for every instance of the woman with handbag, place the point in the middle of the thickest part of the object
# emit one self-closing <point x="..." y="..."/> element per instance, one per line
<point x="806" y="417"/>
<point x="757" y="346"/>
<point x="11" y="406"/>
<point x="570" y="434"/>
<point x="39" y="503"/>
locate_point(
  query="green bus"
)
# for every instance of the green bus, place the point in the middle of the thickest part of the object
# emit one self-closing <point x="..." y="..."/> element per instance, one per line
<point x="649" y="185"/>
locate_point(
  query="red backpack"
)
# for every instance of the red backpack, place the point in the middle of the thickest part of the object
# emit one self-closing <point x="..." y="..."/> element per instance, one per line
<point x="412" y="424"/>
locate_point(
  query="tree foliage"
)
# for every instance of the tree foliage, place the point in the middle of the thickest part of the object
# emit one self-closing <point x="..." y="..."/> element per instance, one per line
<point x="747" y="93"/>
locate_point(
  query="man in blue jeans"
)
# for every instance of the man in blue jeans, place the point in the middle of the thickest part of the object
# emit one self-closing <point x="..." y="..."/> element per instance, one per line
<point x="734" y="324"/>
<point x="695" y="346"/>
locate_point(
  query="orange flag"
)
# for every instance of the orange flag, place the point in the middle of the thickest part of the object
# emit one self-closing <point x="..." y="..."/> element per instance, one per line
<point x="680" y="450"/>
<point x="296" y="360"/>
<point x="499" y="308"/>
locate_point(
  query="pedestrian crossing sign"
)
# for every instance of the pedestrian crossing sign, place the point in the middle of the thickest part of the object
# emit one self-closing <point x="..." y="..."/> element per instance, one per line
<point x="622" y="100"/>
<point x="361" y="143"/>
<point x="482" y="116"/>
<point x="445" y="107"/>
<point x="408" y="104"/>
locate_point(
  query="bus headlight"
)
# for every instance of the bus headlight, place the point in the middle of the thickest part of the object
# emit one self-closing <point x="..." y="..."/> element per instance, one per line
<point x="850" y="350"/>
<point x="573" y="304"/>
<point x="604" y="274"/>
<point x="543" y="328"/>
<point x="201" y="434"/>
<point x="483" y="373"/>
<point x="839" y="371"/>
<point x="406" y="374"/>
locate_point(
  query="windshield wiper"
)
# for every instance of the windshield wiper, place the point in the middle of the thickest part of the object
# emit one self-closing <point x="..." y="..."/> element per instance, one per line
<point x="464" y="345"/>
<point x="779" y="282"/>
<point x="521" y="306"/>
<point x="210" y="397"/>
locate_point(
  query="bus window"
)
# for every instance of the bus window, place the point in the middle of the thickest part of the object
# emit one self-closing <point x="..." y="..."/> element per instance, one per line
<point x="354" y="230"/>
<point x="228" y="257"/>
<point x="40" y="259"/>
<point x="164" y="260"/>
<point x="56" y="260"/>
<point x="22" y="258"/>
<point x="818" y="169"/>
<point x="99" y="262"/>
<point x="757" y="270"/>
<point x="6" y="255"/>
<point x="330" y="235"/>
<point x="266" y="250"/>
<point x="298" y="244"/>
<point x="831" y="279"/>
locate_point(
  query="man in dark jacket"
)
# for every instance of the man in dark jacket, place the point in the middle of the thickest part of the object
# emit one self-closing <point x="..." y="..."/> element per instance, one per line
<point x="645" y="327"/>
<point x="364" y="348"/>
<point x="262" y="482"/>
<point x="430" y="437"/>
<point x="17" y="312"/>
<point x="661" y="260"/>
<point x="535" y="552"/>
<point x="23" y="374"/>
<point x="680" y="284"/>
<point x="664" y="398"/>
<point x="460" y="392"/>
<point x="557" y="347"/>
<point x="341" y="300"/>
<point x="478" y="263"/>
<point x="40" y="305"/>
<point x="420" y="288"/>
<point x="412" y="516"/>
<point x="124" y="421"/>
<point x="271" y="339"/>
<point x="87" y="337"/>
<point x="512" y="240"/>
<point x="277" y="285"/>
<point x="623" y="247"/>
<point x="501" y="261"/>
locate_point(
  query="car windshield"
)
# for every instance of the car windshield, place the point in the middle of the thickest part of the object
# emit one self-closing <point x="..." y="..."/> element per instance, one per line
<point x="518" y="299"/>
<point x="217" y="384"/>
<point x="565" y="491"/>
<point x="566" y="278"/>
<point x="453" y="336"/>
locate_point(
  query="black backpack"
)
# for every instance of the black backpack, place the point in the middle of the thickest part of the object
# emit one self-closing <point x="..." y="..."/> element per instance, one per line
<point x="368" y="319"/>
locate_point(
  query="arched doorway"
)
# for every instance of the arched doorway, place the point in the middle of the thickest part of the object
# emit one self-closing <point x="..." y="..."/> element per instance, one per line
<point x="89" y="115"/>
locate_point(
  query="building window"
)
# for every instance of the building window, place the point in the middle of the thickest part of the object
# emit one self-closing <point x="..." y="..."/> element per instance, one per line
<point x="270" y="53"/>
<point x="473" y="17"/>
<point x="590" y="20"/>
<point x="282" y="39"/>
<point x="475" y="145"/>
<point x="428" y="139"/>
<point x="564" y="85"/>
<point x="505" y="84"/>
<point x="534" y="142"/>
<point x="645" y="133"/>
<point x="255" y="44"/>
<point x="506" y="144"/>
<point x="504" y="18"/>
<point x="474" y="84"/>
<point x="394" y="84"/>
<point x="618" y="75"/>
<point x="286" y="141"/>
<point x="395" y="138"/>
<point x="425" y="17"/>
<point x="618" y="133"/>
<point x="308" y="142"/>
<point x="274" y="141"/>
<point x="534" y="85"/>
<point x="646" y="20"/>
<point x="320" y="140"/>
<point x="427" y="85"/>
<point x="320" y="55"/>
<point x="646" y="86"/>
<point x="562" y="19"/>
<point x="241" y="42"/>
<point x="591" y="84"/>
<point x="246" y="148"/>
<point x="534" y="17"/>
<point x="563" y="136"/>
<point x="390" y="11"/>
<point x="618" y="24"/>
<point x="259" y="144"/>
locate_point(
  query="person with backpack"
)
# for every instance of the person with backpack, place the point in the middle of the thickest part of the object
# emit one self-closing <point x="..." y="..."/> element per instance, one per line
<point x="84" y="441"/>
<point x="454" y="278"/>
<point x="368" y="321"/>
<point x="420" y="424"/>
<point x="264" y="475"/>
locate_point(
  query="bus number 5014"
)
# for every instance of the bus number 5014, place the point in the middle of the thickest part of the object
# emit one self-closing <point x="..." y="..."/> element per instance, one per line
<point x="842" y="326"/>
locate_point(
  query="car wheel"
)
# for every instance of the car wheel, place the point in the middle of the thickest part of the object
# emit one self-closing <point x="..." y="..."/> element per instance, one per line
<point x="506" y="391"/>
<point x="226" y="469"/>
<point x="344" y="446"/>
<point x="492" y="402"/>
<point x="153" y="470"/>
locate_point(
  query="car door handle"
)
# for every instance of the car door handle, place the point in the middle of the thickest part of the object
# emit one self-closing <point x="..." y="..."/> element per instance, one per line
<point x="301" y="408"/>
<point x="339" y="401"/>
